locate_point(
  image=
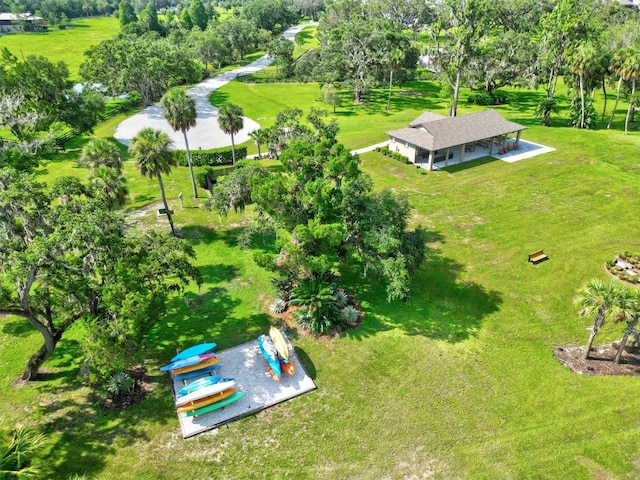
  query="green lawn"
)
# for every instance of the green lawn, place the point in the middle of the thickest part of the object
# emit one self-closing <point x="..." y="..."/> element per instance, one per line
<point x="67" y="45"/>
<point x="458" y="382"/>
<point x="360" y="124"/>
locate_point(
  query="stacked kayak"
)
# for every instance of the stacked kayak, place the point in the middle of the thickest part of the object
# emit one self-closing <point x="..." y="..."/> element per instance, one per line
<point x="193" y="360"/>
<point x="286" y="364"/>
<point x="206" y="392"/>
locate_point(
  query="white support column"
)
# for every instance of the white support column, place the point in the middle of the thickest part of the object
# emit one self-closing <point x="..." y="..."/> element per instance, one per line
<point x="464" y="145"/>
<point x="431" y="156"/>
<point x="446" y="157"/>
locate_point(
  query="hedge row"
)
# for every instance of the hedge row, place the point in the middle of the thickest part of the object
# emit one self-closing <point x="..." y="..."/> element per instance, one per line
<point x="211" y="158"/>
<point x="395" y="155"/>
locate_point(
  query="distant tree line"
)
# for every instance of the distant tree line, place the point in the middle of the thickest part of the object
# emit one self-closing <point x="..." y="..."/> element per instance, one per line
<point x="483" y="45"/>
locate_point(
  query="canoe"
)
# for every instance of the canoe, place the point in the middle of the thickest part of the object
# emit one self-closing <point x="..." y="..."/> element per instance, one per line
<point x="183" y="377"/>
<point x="195" y="350"/>
<point x="204" y="392"/>
<point x="202" y="382"/>
<point x="280" y="343"/>
<point x="198" y="366"/>
<point x="270" y="355"/>
<point x="203" y="402"/>
<point x="215" y="406"/>
<point x="185" y="362"/>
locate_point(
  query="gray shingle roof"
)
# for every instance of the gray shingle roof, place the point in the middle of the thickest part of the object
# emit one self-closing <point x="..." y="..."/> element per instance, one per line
<point x="426" y="117"/>
<point x="452" y="131"/>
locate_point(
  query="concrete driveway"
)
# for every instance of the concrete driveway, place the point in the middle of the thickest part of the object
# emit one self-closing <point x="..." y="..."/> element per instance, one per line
<point x="206" y="134"/>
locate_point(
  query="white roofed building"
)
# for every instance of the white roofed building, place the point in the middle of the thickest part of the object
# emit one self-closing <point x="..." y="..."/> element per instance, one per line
<point x="432" y="138"/>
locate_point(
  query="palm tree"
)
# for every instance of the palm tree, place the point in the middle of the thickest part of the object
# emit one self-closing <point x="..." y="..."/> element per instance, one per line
<point x="318" y="297"/>
<point x="109" y="186"/>
<point x="152" y="151"/>
<point x="180" y="111"/>
<point x="630" y="314"/>
<point x="101" y="152"/>
<point x="616" y="66"/>
<point x="260" y="137"/>
<point x="545" y="108"/>
<point x="631" y="71"/>
<point x="600" y="300"/>
<point x="21" y="445"/>
<point x="231" y="122"/>
<point x="394" y="62"/>
<point x="584" y="63"/>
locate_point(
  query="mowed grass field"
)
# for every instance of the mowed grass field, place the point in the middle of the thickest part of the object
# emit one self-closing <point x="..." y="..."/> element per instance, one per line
<point x="67" y="45"/>
<point x="458" y="382"/>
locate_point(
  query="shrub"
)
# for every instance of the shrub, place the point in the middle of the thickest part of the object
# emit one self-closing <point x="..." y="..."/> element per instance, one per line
<point x="284" y="284"/>
<point x="575" y="114"/>
<point x="341" y="297"/>
<point x="484" y="98"/>
<point x="206" y="177"/>
<point x="278" y="305"/>
<point x="265" y="260"/>
<point x="316" y="296"/>
<point x="349" y="314"/>
<point x="118" y="384"/>
<point x="201" y="158"/>
<point x="394" y="155"/>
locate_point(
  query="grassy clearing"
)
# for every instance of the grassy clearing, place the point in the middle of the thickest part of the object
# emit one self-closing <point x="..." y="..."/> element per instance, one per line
<point x="66" y="46"/>
<point x="458" y="382"/>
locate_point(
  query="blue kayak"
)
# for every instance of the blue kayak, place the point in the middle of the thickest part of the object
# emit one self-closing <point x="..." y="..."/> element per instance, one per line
<point x="197" y="373"/>
<point x="195" y="350"/>
<point x="198" y="384"/>
<point x="270" y="354"/>
<point x="187" y="362"/>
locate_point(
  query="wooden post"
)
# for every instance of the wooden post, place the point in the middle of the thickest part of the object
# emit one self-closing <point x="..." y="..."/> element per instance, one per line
<point x="464" y="145"/>
<point x="491" y="146"/>
<point x="517" y="144"/>
<point x="446" y="157"/>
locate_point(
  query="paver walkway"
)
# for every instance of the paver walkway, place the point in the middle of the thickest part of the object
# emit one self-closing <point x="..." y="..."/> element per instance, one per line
<point x="206" y="134"/>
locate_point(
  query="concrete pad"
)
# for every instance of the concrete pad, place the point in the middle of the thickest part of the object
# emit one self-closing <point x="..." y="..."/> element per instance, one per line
<point x="527" y="150"/>
<point x="245" y="365"/>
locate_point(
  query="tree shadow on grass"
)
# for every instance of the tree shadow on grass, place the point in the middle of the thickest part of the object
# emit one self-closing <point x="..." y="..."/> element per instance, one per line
<point x="303" y="36"/>
<point x="441" y="306"/>
<point x="17" y="327"/>
<point x="218" y="97"/>
<point x="88" y="433"/>
<point x="193" y="319"/>
<point x="199" y="235"/>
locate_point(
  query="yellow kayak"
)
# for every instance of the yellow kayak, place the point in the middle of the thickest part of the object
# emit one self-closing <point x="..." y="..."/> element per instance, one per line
<point x="280" y="343"/>
<point x="286" y="364"/>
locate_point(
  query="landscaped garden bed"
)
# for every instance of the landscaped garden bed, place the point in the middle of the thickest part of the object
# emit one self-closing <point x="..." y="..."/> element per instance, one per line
<point x="625" y="267"/>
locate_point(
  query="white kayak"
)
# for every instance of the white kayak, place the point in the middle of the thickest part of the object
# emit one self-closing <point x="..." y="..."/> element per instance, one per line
<point x="204" y="392"/>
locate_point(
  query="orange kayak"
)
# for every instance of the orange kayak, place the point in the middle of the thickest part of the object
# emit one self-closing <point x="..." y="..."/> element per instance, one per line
<point x="288" y="367"/>
<point x="206" y="363"/>
<point x="203" y="402"/>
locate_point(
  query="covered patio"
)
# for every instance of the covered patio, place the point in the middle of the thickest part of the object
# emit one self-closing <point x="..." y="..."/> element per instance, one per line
<point x="433" y="140"/>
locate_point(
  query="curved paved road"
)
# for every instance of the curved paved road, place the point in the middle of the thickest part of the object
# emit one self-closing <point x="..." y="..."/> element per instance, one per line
<point x="206" y="134"/>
